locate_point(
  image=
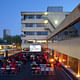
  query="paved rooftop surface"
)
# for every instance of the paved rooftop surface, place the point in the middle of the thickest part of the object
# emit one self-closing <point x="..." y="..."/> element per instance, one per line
<point x="26" y="74"/>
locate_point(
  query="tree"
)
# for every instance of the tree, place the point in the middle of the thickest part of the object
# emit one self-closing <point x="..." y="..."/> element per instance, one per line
<point x="13" y="39"/>
<point x="1" y="41"/>
<point x="8" y="38"/>
<point x="17" y="40"/>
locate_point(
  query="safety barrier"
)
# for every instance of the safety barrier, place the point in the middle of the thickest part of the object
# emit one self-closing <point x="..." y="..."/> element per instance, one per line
<point x="42" y="69"/>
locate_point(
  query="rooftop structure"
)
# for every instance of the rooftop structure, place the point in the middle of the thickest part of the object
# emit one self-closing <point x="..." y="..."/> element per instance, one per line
<point x="55" y="9"/>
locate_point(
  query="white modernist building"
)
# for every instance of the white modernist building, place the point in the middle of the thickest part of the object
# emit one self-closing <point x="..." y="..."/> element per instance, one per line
<point x="37" y="26"/>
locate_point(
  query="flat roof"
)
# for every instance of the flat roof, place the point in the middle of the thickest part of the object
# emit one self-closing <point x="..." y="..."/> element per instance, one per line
<point x="41" y="13"/>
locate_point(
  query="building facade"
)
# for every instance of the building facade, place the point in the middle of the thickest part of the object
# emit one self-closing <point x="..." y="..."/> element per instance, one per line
<point x="6" y="32"/>
<point x="37" y="26"/>
<point x="65" y="40"/>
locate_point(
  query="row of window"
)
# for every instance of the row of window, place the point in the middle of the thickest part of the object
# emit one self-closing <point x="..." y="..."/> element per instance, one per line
<point x="34" y="25"/>
<point x="70" y="32"/>
<point x="33" y="17"/>
<point x="36" y="33"/>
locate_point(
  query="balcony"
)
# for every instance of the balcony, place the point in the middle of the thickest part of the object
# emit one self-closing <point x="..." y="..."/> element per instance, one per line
<point x="34" y="37"/>
<point x="35" y="29"/>
<point x="32" y="21"/>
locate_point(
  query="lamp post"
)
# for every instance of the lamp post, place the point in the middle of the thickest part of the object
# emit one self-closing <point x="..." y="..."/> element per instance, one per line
<point x="47" y="43"/>
<point x="13" y="47"/>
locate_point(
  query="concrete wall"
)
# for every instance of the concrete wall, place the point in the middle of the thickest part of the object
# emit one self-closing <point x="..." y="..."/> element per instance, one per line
<point x="32" y="21"/>
<point x="59" y="16"/>
<point x="31" y="13"/>
<point x="35" y="37"/>
<point x="68" y="47"/>
<point x="72" y="18"/>
<point x="33" y="29"/>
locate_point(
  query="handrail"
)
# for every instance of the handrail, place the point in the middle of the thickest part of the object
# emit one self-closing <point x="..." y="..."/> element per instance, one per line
<point x="69" y="73"/>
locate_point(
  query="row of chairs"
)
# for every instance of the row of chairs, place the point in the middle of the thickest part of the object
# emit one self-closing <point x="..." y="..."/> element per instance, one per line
<point x="14" y="63"/>
<point x="3" y="69"/>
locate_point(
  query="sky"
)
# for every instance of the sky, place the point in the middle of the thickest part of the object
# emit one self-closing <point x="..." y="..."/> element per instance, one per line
<point x="10" y="11"/>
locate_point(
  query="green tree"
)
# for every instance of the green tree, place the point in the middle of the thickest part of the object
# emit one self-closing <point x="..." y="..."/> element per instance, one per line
<point x="8" y="38"/>
<point x="17" y="40"/>
<point x="13" y="39"/>
<point x="1" y="41"/>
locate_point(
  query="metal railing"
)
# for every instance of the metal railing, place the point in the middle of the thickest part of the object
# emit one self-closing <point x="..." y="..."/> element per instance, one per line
<point x="69" y="73"/>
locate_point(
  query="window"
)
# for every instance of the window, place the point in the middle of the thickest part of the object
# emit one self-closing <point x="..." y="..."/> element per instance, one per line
<point x="32" y="16"/>
<point x="30" y="33"/>
<point x="65" y="33"/>
<point x="42" y="33"/>
<point x="77" y="26"/>
<point x="40" y="25"/>
<point x="70" y="32"/>
<point x="34" y="25"/>
<point x="29" y="17"/>
<point x="38" y="16"/>
<point x="28" y="25"/>
<point x="66" y="15"/>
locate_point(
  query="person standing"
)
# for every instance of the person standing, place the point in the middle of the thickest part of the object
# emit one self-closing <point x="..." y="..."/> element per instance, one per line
<point x="6" y="52"/>
<point x="1" y="63"/>
<point x="8" y="68"/>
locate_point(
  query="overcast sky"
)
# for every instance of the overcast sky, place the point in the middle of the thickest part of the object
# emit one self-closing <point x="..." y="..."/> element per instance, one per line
<point x="10" y="16"/>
